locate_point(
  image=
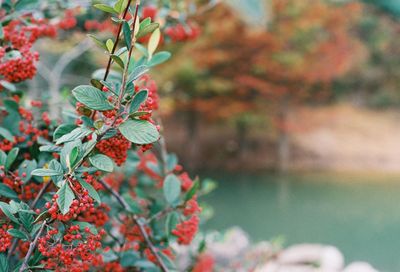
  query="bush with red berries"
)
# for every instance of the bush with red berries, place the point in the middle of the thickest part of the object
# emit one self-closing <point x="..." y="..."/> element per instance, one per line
<point x="96" y="191"/>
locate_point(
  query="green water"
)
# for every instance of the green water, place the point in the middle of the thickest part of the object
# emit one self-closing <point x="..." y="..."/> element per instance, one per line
<point x="360" y="214"/>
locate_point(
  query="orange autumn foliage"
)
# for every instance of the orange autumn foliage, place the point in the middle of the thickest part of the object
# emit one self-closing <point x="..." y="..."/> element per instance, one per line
<point x="306" y="45"/>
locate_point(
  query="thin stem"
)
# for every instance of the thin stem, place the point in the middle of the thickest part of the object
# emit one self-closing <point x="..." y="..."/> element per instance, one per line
<point x="32" y="206"/>
<point x="116" y="41"/>
<point x="32" y="247"/>
<point x="139" y="223"/>
<point x="40" y="194"/>
<point x="117" y="38"/>
<point x="126" y="69"/>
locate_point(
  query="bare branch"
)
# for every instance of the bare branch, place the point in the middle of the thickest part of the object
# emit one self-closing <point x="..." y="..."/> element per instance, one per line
<point x="32" y="247"/>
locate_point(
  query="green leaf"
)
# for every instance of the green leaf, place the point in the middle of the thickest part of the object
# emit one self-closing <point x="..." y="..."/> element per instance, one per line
<point x="137" y="73"/>
<point x="129" y="258"/>
<point x="26" y="167"/>
<point x="147" y="30"/>
<point x="192" y="191"/>
<point x="98" y="42"/>
<point x="146" y="265"/>
<point x="118" y="61"/>
<point x="171" y="222"/>
<point x="18" y="234"/>
<point x="50" y="148"/>
<point x="7" y="191"/>
<point x="153" y="42"/>
<point x="26" y="217"/>
<point x="4" y="266"/>
<point x="3" y="157"/>
<point x="42" y="172"/>
<point x="144" y="23"/>
<point x="172" y="189"/>
<point x="24" y="5"/>
<point x="9" y="86"/>
<point x="73" y="156"/>
<point x="12" y="155"/>
<point x="77" y="133"/>
<point x="109" y="45"/>
<point x="134" y="207"/>
<point x="167" y="261"/>
<point x="138" y="114"/>
<point x="6" y="134"/>
<point x="127" y="34"/>
<point x="105" y="8"/>
<point x="172" y="161"/>
<point x="92" y="97"/>
<point x="96" y="83"/>
<point x="91" y="190"/>
<point x="65" y="198"/>
<point x="142" y="49"/>
<point x="139" y="131"/>
<point x="120" y="5"/>
<point x="55" y="165"/>
<point x="102" y="162"/>
<point x="159" y="58"/>
<point x="62" y="130"/>
<point x="110" y="133"/>
<point x="8" y="212"/>
<point x="137" y="100"/>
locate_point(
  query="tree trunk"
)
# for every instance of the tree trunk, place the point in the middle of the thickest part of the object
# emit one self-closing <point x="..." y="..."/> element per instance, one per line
<point x="283" y="148"/>
<point x="193" y="139"/>
<point x="241" y="131"/>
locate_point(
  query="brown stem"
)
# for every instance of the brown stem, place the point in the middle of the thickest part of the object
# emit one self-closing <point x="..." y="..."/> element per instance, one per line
<point x="139" y="223"/>
<point x="40" y="194"/>
<point x="114" y="48"/>
<point x="32" y="247"/>
<point x="32" y="206"/>
<point x="116" y="41"/>
<point x="126" y="70"/>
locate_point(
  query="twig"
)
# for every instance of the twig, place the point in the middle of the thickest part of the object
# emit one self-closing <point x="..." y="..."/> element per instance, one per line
<point x="116" y="41"/>
<point x="40" y="194"/>
<point x="139" y="223"/>
<point x="117" y="38"/>
<point x="32" y="247"/>
<point x="32" y="206"/>
<point x="126" y="70"/>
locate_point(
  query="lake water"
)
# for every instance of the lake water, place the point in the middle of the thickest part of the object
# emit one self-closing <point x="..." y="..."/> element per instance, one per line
<point x="359" y="214"/>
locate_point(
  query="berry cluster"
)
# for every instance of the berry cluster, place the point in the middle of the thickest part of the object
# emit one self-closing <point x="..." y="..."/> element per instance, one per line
<point x="149" y="12"/>
<point x="81" y="206"/>
<point x="17" y="61"/>
<point x="186" y="230"/>
<point x="75" y="252"/>
<point x="204" y="263"/>
<point x="115" y="147"/>
<point x="5" y="237"/>
<point x="25" y="191"/>
<point x="180" y="33"/>
<point x="68" y="21"/>
<point x="152" y="101"/>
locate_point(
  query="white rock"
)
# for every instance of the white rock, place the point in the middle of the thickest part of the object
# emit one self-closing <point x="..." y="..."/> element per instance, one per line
<point x="328" y="258"/>
<point x="233" y="244"/>
<point x="359" y="267"/>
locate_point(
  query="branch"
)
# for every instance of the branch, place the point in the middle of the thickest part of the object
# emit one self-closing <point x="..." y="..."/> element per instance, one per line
<point x="32" y="206"/>
<point x="138" y="222"/>
<point x="70" y="55"/>
<point x="32" y="247"/>
<point x="116" y="41"/>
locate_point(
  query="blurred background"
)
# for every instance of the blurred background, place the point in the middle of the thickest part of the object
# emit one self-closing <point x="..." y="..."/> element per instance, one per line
<point x="290" y="106"/>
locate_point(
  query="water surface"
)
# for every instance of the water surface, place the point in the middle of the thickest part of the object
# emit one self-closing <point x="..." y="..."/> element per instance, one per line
<point x="359" y="214"/>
